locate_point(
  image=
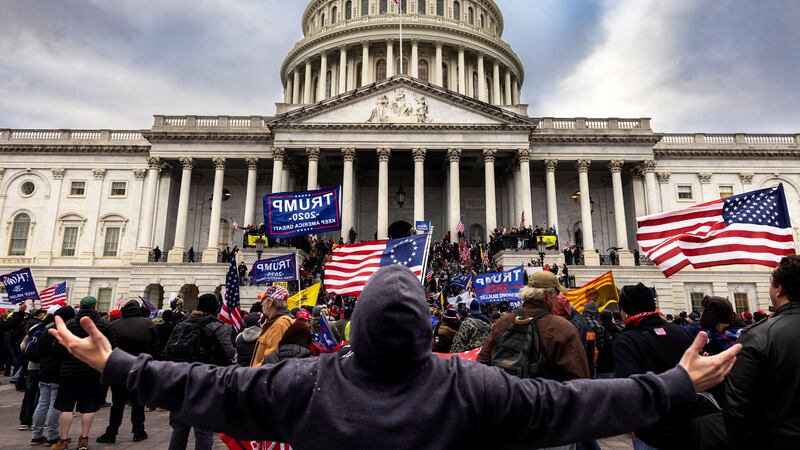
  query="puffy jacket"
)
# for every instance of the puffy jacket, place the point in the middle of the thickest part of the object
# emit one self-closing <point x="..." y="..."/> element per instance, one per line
<point x="135" y="334"/>
<point x="762" y="390"/>
<point x="71" y="367"/>
<point x="287" y="351"/>
<point x="391" y="383"/>
<point x="246" y="344"/>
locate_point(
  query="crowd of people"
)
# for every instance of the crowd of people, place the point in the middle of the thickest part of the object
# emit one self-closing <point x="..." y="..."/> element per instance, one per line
<point x="540" y="337"/>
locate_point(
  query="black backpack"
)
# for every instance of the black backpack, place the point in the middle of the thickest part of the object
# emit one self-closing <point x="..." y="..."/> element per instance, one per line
<point x="191" y="341"/>
<point x="518" y="353"/>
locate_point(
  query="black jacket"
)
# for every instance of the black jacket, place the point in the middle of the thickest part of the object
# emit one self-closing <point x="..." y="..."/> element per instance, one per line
<point x="643" y="348"/>
<point x="246" y="345"/>
<point x="135" y="334"/>
<point x="50" y="357"/>
<point x="390" y="384"/>
<point x="762" y="390"/>
<point x="71" y="367"/>
<point x="223" y="350"/>
<point x="287" y="351"/>
<point x="164" y="331"/>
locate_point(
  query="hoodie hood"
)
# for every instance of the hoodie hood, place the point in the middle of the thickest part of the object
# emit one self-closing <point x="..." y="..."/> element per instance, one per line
<point x="391" y="331"/>
<point x="131" y="309"/>
<point x="250" y="334"/>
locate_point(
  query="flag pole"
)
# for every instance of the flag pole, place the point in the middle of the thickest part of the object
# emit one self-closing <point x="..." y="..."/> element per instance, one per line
<point x="400" y="5"/>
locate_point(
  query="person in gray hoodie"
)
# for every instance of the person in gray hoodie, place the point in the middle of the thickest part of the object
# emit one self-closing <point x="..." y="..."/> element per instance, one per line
<point x="246" y="340"/>
<point x="392" y="389"/>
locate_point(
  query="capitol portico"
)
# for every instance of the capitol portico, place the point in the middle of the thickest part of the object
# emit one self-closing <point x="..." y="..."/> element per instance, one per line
<point x="439" y="135"/>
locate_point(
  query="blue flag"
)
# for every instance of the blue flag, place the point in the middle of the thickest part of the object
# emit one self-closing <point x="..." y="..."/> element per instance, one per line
<point x="20" y="286"/>
<point x="325" y="336"/>
<point x="500" y="286"/>
<point x="281" y="268"/>
<point x="291" y="214"/>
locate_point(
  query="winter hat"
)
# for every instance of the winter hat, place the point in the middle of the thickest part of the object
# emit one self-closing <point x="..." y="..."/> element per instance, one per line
<point x="52" y="310"/>
<point x="636" y="299"/>
<point x="716" y="310"/>
<point x="208" y="304"/>
<point x="88" y="302"/>
<point x="66" y="313"/>
<point x="475" y="307"/>
<point x="115" y="314"/>
<point x="606" y="316"/>
<point x="167" y="315"/>
<point x="303" y="315"/>
<point x="275" y="293"/>
<point x="298" y="334"/>
<point x="759" y="315"/>
<point x="252" y="320"/>
<point x="694" y="316"/>
<point x="450" y="315"/>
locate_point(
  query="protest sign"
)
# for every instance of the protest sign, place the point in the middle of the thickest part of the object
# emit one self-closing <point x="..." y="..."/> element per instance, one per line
<point x="423" y="225"/>
<point x="500" y="286"/>
<point x="20" y="286"/>
<point x="281" y="268"/>
<point x="291" y="214"/>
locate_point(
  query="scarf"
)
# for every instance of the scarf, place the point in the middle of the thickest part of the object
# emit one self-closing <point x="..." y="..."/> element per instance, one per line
<point x="634" y="321"/>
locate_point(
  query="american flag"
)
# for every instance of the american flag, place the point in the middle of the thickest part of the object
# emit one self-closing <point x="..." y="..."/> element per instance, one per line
<point x="231" y="312"/>
<point x="485" y="257"/>
<point x="465" y="251"/>
<point x="460" y="226"/>
<point x="351" y="265"/>
<point x="54" y="295"/>
<point x="522" y="220"/>
<point x="234" y="223"/>
<point x="750" y="228"/>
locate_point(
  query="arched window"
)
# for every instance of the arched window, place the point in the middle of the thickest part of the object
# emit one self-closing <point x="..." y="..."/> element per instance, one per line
<point x="445" y="76"/>
<point x="474" y="84"/>
<point x="457" y="11"/>
<point x="471" y="15"/>
<point x="422" y="6"/>
<point x="20" y="228"/>
<point x="423" y="70"/>
<point x="348" y="10"/>
<point x="334" y="15"/>
<point x="384" y="6"/>
<point x="380" y="70"/>
<point x="440" y="8"/>
<point x="481" y="22"/>
<point x="322" y="20"/>
<point x="364" y="7"/>
<point x="329" y="85"/>
<point x="404" y="6"/>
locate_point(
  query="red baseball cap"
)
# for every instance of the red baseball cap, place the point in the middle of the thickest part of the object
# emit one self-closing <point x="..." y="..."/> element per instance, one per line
<point x="303" y="315"/>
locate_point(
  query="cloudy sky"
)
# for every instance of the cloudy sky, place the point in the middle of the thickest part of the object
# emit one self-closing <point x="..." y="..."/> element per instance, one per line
<point x="692" y="65"/>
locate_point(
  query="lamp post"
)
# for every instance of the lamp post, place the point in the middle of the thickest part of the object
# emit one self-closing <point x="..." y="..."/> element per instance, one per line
<point x="541" y="246"/>
<point x="259" y="246"/>
<point x="400" y="196"/>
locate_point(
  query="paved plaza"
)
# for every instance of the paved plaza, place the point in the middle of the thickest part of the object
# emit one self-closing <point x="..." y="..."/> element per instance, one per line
<point x="157" y="427"/>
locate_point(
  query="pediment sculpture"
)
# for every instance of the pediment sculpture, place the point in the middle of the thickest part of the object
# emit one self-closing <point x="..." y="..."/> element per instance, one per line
<point x="399" y="110"/>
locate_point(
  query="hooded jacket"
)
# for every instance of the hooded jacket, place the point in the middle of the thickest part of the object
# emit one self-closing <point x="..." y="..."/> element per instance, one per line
<point x="246" y="344"/>
<point x="71" y="367"/>
<point x="392" y="389"/>
<point x="135" y="334"/>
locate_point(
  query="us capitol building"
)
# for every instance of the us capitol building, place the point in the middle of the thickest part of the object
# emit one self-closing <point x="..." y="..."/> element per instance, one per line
<point x="441" y="135"/>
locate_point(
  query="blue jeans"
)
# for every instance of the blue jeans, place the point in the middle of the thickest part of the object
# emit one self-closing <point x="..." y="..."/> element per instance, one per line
<point x="46" y="412"/>
<point x="605" y="375"/>
<point x="638" y="444"/>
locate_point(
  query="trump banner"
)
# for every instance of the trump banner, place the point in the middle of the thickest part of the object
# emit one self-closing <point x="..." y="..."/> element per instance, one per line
<point x="292" y="214"/>
<point x="500" y="286"/>
<point x="281" y="268"/>
<point x="20" y="286"/>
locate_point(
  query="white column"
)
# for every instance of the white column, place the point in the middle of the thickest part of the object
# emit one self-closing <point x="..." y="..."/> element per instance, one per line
<point x="525" y="183"/>
<point x="550" y="185"/>
<point x="277" y="168"/>
<point x="176" y="254"/>
<point x="313" y="162"/>
<point x="454" y="156"/>
<point x="323" y="77"/>
<point x="250" y="196"/>
<point x="307" y="84"/>
<point x="348" y="194"/>
<point x="439" y="69"/>
<point x="148" y="210"/>
<point x="518" y="197"/>
<point x="508" y="99"/>
<point x="516" y="92"/>
<point x="462" y="73"/>
<point x="589" y="255"/>
<point x="415" y="58"/>
<point x="663" y="189"/>
<point x="351" y="73"/>
<point x="285" y="175"/>
<point x="296" y="89"/>
<point x="383" y="192"/>
<point x="342" y="70"/>
<point x="491" y="205"/>
<point x="651" y="187"/>
<point x="625" y="256"/>
<point x="212" y="251"/>
<point x="419" y="183"/>
<point x="364" y="63"/>
<point x="389" y="58"/>
<point x="496" y="84"/>
<point x="287" y="91"/>
<point x="334" y="78"/>
<point x="482" y="93"/>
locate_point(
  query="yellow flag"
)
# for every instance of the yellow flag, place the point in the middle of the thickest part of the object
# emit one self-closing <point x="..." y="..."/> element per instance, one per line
<point x="306" y="297"/>
<point x="602" y="290"/>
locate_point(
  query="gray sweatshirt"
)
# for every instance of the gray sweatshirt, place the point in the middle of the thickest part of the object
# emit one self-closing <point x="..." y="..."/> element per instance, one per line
<point x="391" y="391"/>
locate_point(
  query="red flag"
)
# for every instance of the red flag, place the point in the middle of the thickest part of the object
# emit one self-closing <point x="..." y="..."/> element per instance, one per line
<point x="470" y="355"/>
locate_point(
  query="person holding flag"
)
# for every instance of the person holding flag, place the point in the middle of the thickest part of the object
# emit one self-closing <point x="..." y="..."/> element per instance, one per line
<point x="231" y="312"/>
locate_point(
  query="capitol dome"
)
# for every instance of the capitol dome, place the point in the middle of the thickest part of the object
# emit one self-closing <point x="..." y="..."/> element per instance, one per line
<point x="455" y="44"/>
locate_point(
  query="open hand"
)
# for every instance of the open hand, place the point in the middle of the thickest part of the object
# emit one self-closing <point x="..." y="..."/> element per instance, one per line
<point x="707" y="371"/>
<point x="94" y="350"/>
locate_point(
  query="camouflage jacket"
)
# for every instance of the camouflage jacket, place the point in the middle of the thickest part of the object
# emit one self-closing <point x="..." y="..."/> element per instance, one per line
<point x="471" y="335"/>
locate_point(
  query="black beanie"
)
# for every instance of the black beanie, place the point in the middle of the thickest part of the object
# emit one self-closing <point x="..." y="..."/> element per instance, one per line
<point x="716" y="310"/>
<point x="207" y="303"/>
<point x="637" y="299"/>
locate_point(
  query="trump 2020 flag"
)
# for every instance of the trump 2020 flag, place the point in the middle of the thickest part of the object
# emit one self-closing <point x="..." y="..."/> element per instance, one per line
<point x="750" y="228"/>
<point x="351" y="265"/>
<point x="20" y="286"/>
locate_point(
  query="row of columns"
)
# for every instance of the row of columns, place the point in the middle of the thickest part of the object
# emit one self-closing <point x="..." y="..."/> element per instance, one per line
<point x="505" y="88"/>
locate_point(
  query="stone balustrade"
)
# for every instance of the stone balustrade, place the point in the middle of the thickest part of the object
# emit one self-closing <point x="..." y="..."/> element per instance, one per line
<point x="582" y="123"/>
<point x="71" y="136"/>
<point x="210" y="122"/>
<point x="730" y="139"/>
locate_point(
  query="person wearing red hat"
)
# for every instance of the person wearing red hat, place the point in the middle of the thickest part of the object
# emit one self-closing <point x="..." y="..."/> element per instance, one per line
<point x="303" y="315"/>
<point x="278" y="320"/>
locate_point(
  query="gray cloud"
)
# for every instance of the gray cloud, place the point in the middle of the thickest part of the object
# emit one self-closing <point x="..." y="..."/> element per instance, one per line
<point x="692" y="65"/>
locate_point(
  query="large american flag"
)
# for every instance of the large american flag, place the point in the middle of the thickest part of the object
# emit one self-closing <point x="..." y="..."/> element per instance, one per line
<point x="54" y="295"/>
<point x="750" y="228"/>
<point x="351" y="265"/>
<point x="231" y="312"/>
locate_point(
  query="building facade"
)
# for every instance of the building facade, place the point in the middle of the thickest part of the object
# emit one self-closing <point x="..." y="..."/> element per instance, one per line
<point x="433" y="130"/>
